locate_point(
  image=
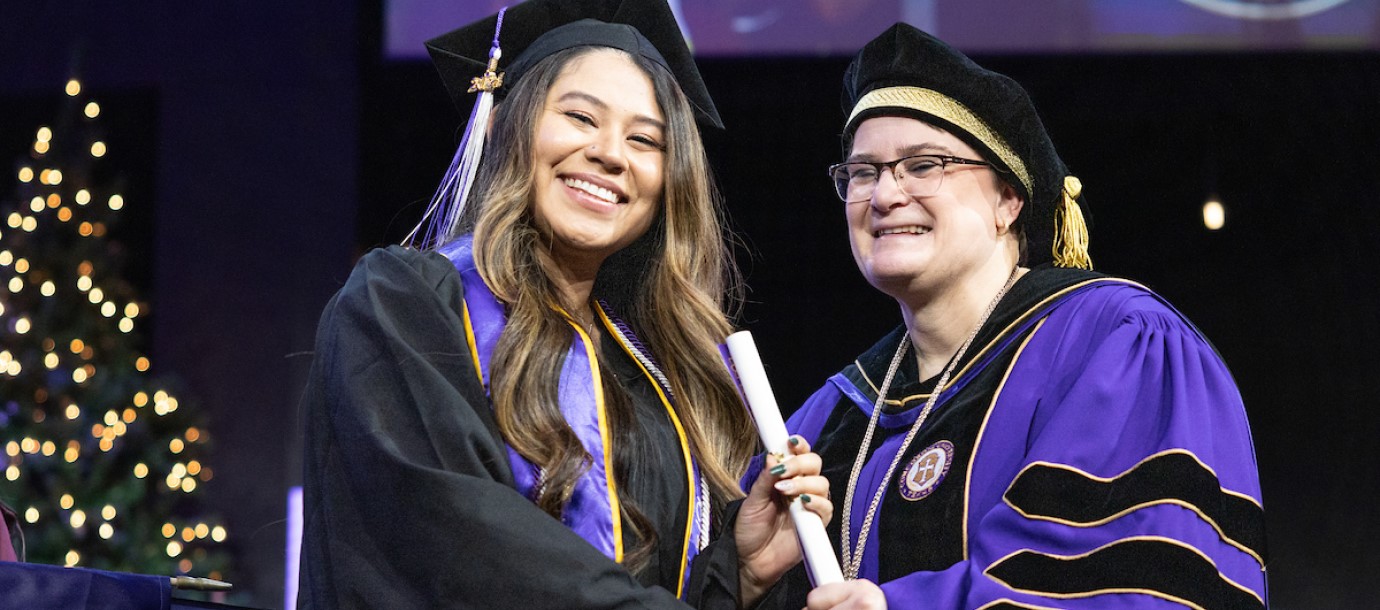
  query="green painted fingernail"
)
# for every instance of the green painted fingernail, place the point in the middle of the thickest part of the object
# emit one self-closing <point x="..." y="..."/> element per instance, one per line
<point x="795" y="440"/>
<point x="805" y="498"/>
<point x="778" y="469"/>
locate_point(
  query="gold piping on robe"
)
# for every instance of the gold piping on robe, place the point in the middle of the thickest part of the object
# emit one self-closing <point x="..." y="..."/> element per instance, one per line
<point x="982" y="430"/>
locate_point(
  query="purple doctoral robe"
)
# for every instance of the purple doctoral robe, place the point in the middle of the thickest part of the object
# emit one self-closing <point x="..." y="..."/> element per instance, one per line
<point x="1091" y="451"/>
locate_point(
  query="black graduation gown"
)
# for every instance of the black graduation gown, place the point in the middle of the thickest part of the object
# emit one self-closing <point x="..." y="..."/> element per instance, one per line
<point x="409" y="498"/>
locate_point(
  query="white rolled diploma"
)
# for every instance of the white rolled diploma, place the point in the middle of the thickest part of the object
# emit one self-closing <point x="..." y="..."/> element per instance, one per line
<point x="820" y="560"/>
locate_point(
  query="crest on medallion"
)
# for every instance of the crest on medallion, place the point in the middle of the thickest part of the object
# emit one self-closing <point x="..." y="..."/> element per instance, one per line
<point x="926" y="471"/>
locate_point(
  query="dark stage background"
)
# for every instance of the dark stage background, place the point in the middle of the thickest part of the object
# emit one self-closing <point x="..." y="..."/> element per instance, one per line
<point x="286" y="146"/>
<point x="1287" y="290"/>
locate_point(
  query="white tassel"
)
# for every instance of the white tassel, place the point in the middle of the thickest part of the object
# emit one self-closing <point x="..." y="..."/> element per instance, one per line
<point x="443" y="215"/>
<point x="447" y="207"/>
<point x="469" y="160"/>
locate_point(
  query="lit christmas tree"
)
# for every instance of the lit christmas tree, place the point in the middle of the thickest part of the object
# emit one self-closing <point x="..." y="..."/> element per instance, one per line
<point x="103" y="465"/>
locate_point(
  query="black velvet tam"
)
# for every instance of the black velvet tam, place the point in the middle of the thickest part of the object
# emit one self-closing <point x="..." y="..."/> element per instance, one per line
<point x="907" y="72"/>
<point x="536" y="29"/>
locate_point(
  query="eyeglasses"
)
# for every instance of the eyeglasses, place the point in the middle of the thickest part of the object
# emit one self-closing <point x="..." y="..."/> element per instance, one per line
<point x="918" y="175"/>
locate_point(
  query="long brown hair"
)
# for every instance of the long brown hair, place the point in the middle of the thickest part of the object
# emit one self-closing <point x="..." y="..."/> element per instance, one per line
<point x="672" y="286"/>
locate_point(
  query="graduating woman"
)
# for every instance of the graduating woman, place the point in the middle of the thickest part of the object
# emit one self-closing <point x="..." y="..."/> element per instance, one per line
<point x="1034" y="434"/>
<point x="530" y="411"/>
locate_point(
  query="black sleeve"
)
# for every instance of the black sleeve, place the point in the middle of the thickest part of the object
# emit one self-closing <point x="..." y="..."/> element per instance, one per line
<point x="409" y="497"/>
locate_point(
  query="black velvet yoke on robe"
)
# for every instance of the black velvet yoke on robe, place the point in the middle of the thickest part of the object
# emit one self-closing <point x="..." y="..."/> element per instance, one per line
<point x="1096" y="455"/>
<point x="409" y="497"/>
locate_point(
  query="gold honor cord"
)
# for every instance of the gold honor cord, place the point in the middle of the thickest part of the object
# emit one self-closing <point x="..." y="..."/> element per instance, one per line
<point x="684" y="448"/>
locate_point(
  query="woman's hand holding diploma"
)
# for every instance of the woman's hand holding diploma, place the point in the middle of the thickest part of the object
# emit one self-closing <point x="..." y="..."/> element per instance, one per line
<point x="790" y="485"/>
<point x="766" y="526"/>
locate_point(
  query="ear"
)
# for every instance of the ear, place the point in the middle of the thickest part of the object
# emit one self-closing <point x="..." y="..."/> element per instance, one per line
<point x="1008" y="209"/>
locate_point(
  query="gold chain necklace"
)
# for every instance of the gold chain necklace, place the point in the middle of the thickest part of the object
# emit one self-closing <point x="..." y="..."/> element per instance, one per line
<point x="852" y="556"/>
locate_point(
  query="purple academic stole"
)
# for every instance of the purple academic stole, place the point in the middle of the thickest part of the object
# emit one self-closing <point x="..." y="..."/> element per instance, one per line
<point x="593" y="511"/>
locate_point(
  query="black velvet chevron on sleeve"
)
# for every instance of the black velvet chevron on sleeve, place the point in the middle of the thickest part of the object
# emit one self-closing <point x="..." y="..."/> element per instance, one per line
<point x="1046" y="491"/>
<point x="1155" y="567"/>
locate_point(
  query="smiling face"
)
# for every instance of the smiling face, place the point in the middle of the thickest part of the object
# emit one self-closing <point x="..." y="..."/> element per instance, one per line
<point x="910" y="247"/>
<point x="599" y="157"/>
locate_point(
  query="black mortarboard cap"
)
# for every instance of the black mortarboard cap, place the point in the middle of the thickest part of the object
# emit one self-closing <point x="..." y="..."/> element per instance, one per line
<point x="907" y="72"/>
<point x="536" y="29"/>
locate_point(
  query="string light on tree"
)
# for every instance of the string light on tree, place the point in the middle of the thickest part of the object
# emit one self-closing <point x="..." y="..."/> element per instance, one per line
<point x="93" y="479"/>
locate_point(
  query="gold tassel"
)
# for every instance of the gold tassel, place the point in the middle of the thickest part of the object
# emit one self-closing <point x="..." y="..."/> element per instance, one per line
<point x="1070" y="232"/>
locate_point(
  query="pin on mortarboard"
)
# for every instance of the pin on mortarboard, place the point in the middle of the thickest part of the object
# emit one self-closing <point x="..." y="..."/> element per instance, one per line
<point x="468" y="60"/>
<point x="907" y="72"/>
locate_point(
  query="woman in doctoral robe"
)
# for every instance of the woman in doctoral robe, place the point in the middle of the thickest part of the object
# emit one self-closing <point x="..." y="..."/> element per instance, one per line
<point x="1033" y="434"/>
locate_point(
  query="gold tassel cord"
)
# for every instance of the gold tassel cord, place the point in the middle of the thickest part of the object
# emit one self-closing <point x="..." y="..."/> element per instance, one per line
<point x="1071" y="232"/>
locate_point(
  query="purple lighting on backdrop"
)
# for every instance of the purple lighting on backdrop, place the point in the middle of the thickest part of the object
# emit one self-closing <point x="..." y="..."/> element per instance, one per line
<point x="839" y="27"/>
<point x="294" y="548"/>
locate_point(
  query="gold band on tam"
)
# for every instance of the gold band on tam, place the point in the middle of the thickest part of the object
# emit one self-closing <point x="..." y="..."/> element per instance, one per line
<point x="944" y="107"/>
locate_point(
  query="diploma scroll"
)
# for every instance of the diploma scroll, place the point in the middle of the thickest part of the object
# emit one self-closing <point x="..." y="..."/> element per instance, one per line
<point x="746" y="363"/>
